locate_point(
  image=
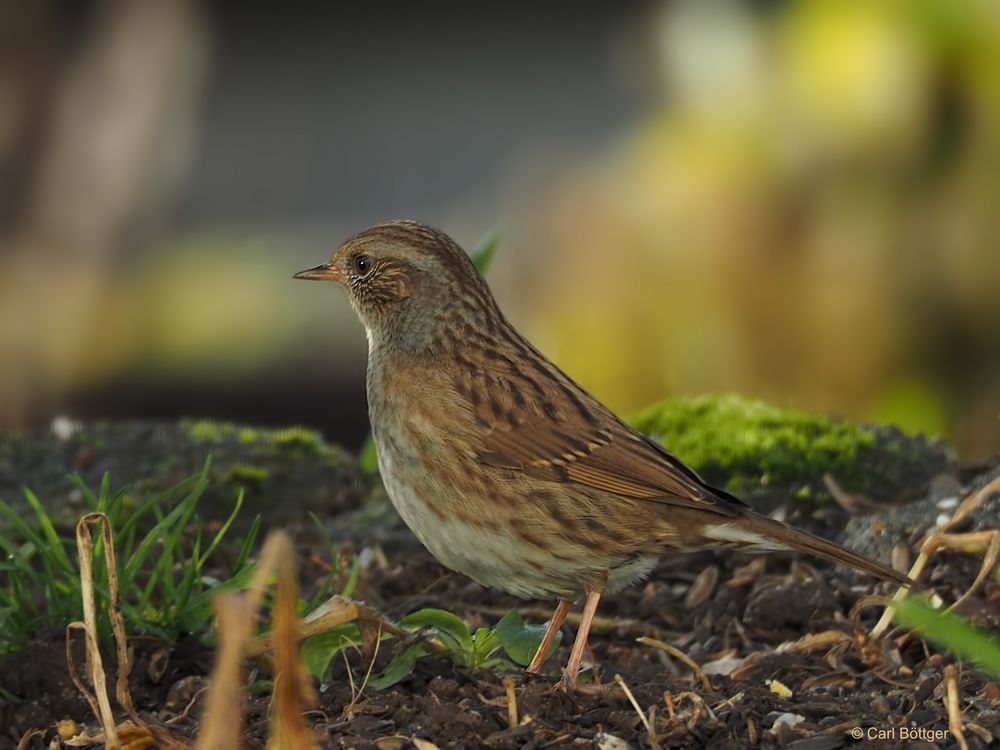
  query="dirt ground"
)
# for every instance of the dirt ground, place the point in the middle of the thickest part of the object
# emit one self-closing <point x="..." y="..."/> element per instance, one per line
<point x="732" y="614"/>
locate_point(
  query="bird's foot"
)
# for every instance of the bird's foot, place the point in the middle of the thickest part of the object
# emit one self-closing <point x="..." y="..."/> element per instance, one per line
<point x="571" y="687"/>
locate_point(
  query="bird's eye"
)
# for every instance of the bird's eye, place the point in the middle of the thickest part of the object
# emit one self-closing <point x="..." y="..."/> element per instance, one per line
<point x="363" y="264"/>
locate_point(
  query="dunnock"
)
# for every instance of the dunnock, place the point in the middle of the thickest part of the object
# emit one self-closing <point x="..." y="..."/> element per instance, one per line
<point x="507" y="470"/>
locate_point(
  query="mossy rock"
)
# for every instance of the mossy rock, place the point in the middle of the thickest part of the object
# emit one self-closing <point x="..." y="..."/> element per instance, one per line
<point x="282" y="472"/>
<point x="767" y="455"/>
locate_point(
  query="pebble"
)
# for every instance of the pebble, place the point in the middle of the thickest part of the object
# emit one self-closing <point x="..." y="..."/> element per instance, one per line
<point x="789" y="719"/>
<point x="605" y="741"/>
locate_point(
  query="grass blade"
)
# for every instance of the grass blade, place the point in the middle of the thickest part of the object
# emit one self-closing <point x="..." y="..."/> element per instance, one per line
<point x="200" y="561"/>
<point x="953" y="633"/>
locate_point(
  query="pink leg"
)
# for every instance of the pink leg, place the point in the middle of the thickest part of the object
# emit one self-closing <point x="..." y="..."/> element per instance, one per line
<point x="576" y="655"/>
<point x="558" y="617"/>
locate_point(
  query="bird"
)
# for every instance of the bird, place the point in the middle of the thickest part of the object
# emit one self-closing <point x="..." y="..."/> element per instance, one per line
<point x="504" y="468"/>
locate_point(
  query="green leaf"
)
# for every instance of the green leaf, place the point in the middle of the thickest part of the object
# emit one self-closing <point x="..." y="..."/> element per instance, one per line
<point x="352" y="578"/>
<point x="319" y="651"/>
<point x="485" y="641"/>
<point x="200" y="561"/>
<point x="165" y="532"/>
<point x="953" y="633"/>
<point x="247" y="546"/>
<point x="521" y="641"/>
<point x="260" y="688"/>
<point x="55" y="544"/>
<point x="198" y="612"/>
<point x="368" y="458"/>
<point x="163" y="590"/>
<point x="401" y="666"/>
<point x="451" y="630"/>
<point x="482" y="256"/>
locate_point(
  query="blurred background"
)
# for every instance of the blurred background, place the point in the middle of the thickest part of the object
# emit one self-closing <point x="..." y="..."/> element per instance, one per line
<point x="796" y="201"/>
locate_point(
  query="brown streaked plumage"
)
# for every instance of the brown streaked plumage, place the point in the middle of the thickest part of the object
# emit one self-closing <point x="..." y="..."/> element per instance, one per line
<point x="505" y="468"/>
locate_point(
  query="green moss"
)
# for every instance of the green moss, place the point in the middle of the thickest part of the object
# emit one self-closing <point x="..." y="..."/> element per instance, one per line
<point x="300" y="438"/>
<point x="248" y="436"/>
<point x="247" y="475"/>
<point x="308" y="441"/>
<point x="207" y="431"/>
<point x="744" y="444"/>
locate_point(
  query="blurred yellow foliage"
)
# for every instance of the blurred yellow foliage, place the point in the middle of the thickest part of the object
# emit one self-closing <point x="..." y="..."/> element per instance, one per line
<point x="807" y="212"/>
<point x="823" y="238"/>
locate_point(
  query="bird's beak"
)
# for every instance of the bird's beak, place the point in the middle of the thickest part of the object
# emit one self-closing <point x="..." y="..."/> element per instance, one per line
<point x="325" y="272"/>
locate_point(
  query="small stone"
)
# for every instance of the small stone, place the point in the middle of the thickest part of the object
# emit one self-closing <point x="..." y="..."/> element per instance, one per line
<point x="724" y="666"/>
<point x="605" y="741"/>
<point x="63" y="427"/>
<point x="789" y="719"/>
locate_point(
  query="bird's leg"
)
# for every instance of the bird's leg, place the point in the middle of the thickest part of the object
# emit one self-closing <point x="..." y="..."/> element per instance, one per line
<point x="558" y="617"/>
<point x="576" y="655"/>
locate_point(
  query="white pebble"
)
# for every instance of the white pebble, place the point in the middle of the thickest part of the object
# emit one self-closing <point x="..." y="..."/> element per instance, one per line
<point x="63" y="427"/>
<point x="789" y="719"/>
<point x="605" y="741"/>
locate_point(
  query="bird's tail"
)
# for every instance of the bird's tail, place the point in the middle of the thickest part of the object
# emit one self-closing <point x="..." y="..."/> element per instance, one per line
<point x="761" y="533"/>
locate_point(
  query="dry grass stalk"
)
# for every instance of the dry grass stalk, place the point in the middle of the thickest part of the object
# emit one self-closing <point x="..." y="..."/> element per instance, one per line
<point x="668" y="701"/>
<point x="702" y="588"/>
<point x="28" y="736"/>
<point x="222" y="726"/>
<point x="699" y="706"/>
<point x="335" y="611"/>
<point x="985" y="543"/>
<point x="99" y="702"/>
<point x="348" y="711"/>
<point x="137" y="733"/>
<point x="293" y="691"/>
<point x="815" y="642"/>
<point x="237" y="620"/>
<point x="508" y="684"/>
<point x="653" y="742"/>
<point x="951" y="704"/>
<point x="681" y="656"/>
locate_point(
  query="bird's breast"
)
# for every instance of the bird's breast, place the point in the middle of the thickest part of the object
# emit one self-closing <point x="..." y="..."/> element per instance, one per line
<point x="495" y="525"/>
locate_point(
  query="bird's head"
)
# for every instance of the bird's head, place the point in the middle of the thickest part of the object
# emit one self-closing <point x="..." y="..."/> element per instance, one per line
<point x="407" y="282"/>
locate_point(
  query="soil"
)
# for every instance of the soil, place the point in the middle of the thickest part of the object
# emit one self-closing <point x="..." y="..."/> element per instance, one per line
<point x="890" y="693"/>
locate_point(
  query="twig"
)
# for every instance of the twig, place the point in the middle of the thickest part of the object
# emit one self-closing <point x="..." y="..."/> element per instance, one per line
<point x="350" y="680"/>
<point x="852" y="503"/>
<point x="988" y="540"/>
<point x="679" y="655"/>
<point x="669" y="701"/>
<point x="508" y="684"/>
<point x="356" y="696"/>
<point x="28" y="736"/>
<point x="642" y="717"/>
<point x="951" y="703"/>
<point x="699" y="705"/>
<point x="187" y="709"/>
<point x="336" y="610"/>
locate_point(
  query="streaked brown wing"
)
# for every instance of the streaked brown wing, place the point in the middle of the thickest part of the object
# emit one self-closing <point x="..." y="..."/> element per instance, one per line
<point x="540" y="422"/>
